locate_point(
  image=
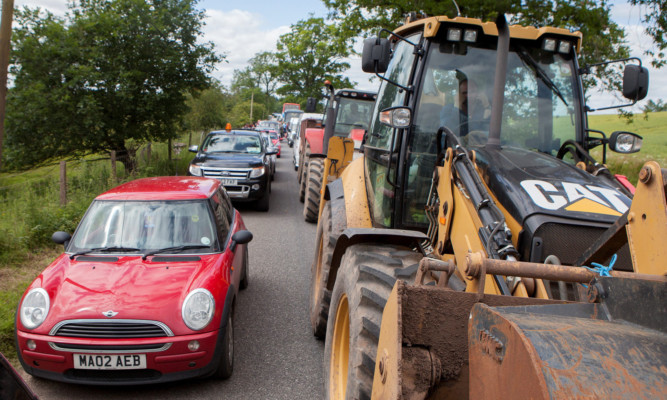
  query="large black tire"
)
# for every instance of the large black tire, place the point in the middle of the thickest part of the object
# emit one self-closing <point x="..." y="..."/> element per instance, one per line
<point x="303" y="168"/>
<point x="244" y="278"/>
<point x="364" y="281"/>
<point x="320" y="296"/>
<point x="226" y="366"/>
<point x="263" y="202"/>
<point x="311" y="205"/>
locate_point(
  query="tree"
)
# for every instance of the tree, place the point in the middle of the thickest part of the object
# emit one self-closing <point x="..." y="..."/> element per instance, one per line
<point x="240" y="114"/>
<point x="206" y="110"/>
<point x="603" y="38"/>
<point x="655" y="20"/>
<point x="307" y="55"/>
<point x="107" y="73"/>
<point x="655" y="106"/>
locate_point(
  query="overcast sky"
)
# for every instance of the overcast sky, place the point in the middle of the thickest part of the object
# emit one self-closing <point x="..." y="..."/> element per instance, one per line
<point x="241" y="29"/>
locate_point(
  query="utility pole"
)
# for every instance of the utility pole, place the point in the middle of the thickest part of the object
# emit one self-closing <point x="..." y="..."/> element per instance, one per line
<point x="252" y="100"/>
<point x="5" y="44"/>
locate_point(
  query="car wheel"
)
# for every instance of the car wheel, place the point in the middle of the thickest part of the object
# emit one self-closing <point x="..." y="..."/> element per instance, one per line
<point x="244" y="279"/>
<point x="226" y="366"/>
<point x="263" y="202"/>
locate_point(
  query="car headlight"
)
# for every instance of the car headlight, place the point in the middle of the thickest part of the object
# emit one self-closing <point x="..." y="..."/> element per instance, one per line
<point x="257" y="172"/>
<point x="198" y="309"/>
<point x="35" y="308"/>
<point x="195" y="170"/>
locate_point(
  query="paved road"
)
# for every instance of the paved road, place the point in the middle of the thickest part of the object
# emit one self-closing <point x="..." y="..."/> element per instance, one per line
<point x="277" y="356"/>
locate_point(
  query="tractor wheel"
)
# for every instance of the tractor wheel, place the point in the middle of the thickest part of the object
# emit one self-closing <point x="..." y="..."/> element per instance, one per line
<point x="364" y="281"/>
<point x="303" y="168"/>
<point x="311" y="205"/>
<point x="320" y="296"/>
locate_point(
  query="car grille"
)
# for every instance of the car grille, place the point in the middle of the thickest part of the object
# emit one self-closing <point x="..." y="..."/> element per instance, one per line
<point x="225" y="173"/>
<point x="115" y="329"/>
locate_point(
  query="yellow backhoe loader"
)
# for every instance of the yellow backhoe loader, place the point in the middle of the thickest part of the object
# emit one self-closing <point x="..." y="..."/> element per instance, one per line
<point x="477" y="249"/>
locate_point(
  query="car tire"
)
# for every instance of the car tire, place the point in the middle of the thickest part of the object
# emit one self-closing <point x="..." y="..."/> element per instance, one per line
<point x="364" y="281"/>
<point x="263" y="202"/>
<point x="311" y="205"/>
<point x="226" y="366"/>
<point x="244" y="278"/>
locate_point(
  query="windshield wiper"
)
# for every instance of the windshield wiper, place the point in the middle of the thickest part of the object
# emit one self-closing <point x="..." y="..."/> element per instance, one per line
<point x="176" y="248"/>
<point x="103" y="249"/>
<point x="528" y="60"/>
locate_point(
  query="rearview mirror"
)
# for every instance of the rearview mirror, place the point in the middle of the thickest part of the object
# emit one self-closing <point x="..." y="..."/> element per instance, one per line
<point x="635" y="82"/>
<point x="193" y="148"/>
<point x="376" y="55"/>
<point x="61" y="237"/>
<point x="625" y="142"/>
<point x="240" y="237"/>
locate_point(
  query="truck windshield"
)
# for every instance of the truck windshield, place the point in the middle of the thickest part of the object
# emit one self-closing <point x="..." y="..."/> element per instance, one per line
<point x="352" y="114"/>
<point x="456" y="92"/>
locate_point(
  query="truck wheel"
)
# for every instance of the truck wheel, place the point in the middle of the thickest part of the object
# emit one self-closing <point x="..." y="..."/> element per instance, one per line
<point x="364" y="281"/>
<point x="320" y="296"/>
<point x="311" y="205"/>
<point x="303" y="168"/>
<point x="244" y="278"/>
<point x="263" y="202"/>
<point x="226" y="366"/>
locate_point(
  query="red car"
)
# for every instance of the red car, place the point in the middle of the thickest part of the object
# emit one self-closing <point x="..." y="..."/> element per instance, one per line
<point x="275" y="140"/>
<point x="145" y="290"/>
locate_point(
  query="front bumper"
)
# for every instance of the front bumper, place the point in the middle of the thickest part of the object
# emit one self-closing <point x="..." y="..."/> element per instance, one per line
<point x="252" y="189"/>
<point x="167" y="358"/>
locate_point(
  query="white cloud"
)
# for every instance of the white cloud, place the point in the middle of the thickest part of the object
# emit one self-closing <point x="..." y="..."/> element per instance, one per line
<point x="240" y="35"/>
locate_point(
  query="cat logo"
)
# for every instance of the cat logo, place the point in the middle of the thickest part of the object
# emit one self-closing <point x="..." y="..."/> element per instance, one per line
<point x="575" y="197"/>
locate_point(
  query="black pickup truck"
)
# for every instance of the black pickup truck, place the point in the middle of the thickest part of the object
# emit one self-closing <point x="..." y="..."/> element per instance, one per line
<point x="241" y="160"/>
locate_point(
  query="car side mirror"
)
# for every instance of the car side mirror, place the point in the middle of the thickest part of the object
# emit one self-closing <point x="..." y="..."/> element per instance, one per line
<point x="193" y="148"/>
<point x="635" y="82"/>
<point x="240" y="237"/>
<point x="271" y="151"/>
<point x="61" y="237"/>
<point x="375" y="55"/>
<point x="625" y="142"/>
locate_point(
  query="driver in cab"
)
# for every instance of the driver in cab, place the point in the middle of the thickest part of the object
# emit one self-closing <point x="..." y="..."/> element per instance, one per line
<point x="470" y="114"/>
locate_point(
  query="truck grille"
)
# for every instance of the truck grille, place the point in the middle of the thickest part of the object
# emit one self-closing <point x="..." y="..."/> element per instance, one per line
<point x="116" y="329"/>
<point x="225" y="173"/>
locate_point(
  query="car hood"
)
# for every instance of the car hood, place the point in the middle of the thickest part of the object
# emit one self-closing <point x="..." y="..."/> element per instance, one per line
<point x="230" y="160"/>
<point x="130" y="287"/>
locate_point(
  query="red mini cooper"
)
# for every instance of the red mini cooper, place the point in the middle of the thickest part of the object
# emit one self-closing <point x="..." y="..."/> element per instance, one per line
<point x="145" y="290"/>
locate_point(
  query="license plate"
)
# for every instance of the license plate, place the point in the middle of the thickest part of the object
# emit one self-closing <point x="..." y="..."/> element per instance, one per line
<point x="231" y="182"/>
<point x="109" y="361"/>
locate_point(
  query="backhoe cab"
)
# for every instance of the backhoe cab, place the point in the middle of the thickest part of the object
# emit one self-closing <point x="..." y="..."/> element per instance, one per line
<point x="478" y="249"/>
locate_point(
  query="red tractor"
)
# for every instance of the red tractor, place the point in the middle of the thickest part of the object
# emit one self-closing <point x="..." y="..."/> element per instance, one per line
<point x="347" y="114"/>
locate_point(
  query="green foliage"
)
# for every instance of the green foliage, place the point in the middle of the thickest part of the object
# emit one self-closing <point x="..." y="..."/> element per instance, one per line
<point x="109" y="72"/>
<point x="655" y="20"/>
<point x="653" y="106"/>
<point x="307" y="55"/>
<point x="206" y="110"/>
<point x="603" y="38"/>
<point x="240" y="114"/>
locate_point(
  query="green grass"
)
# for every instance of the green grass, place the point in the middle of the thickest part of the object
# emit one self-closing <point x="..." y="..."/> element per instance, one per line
<point x="654" y="144"/>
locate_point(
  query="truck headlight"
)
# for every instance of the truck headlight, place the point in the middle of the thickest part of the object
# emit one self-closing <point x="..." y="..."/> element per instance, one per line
<point x="257" y="172"/>
<point x="198" y="309"/>
<point x="34" y="308"/>
<point x="194" y="170"/>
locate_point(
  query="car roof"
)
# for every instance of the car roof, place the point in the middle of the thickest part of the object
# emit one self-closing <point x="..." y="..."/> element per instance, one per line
<point x="163" y="188"/>
<point x="234" y="132"/>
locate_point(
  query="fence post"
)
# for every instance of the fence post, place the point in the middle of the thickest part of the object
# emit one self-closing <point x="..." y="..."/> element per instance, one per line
<point x="63" y="183"/>
<point x="113" y="166"/>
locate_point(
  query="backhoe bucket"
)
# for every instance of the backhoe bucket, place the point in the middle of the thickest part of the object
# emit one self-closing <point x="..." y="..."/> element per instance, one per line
<point x="616" y="349"/>
<point x="443" y="344"/>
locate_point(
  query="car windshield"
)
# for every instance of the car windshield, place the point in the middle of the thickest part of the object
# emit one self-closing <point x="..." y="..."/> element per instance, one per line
<point x="232" y="144"/>
<point x="140" y="226"/>
<point x="273" y="135"/>
<point x="352" y="114"/>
